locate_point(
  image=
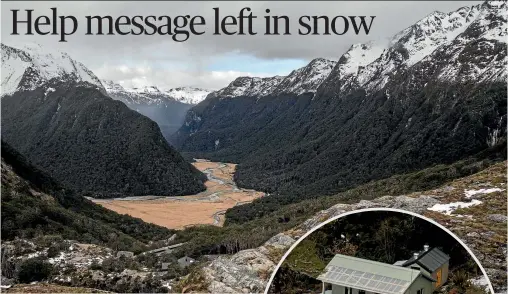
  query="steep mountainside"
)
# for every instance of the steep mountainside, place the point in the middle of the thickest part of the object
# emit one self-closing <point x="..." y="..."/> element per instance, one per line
<point x="166" y="108"/>
<point x="257" y="101"/>
<point x="60" y="118"/>
<point x="435" y="93"/>
<point x="33" y="203"/>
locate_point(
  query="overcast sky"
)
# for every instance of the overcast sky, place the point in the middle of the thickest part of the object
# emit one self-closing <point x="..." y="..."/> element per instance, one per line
<point x="211" y="61"/>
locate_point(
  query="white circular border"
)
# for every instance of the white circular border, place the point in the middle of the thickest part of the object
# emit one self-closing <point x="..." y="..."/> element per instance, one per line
<point x="378" y="209"/>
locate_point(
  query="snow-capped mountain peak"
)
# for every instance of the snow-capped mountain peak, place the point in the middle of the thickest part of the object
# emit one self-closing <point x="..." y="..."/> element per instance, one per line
<point x="371" y="65"/>
<point x="32" y="66"/>
<point x="153" y="94"/>
<point x="435" y="29"/>
<point x="423" y="40"/>
<point x="358" y="56"/>
<point x="135" y="96"/>
<point x="188" y="95"/>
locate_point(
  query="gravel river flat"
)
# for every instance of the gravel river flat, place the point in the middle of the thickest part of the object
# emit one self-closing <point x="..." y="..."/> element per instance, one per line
<point x="178" y="212"/>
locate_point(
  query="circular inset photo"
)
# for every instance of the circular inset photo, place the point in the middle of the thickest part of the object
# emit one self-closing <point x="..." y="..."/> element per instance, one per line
<point x="379" y="251"/>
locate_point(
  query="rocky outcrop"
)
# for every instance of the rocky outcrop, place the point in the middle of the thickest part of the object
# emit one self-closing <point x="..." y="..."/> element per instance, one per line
<point x="247" y="270"/>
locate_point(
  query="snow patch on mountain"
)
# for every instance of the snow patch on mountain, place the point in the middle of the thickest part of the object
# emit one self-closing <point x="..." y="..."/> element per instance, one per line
<point x="306" y="79"/>
<point x="32" y="66"/>
<point x="249" y="86"/>
<point x="358" y="56"/>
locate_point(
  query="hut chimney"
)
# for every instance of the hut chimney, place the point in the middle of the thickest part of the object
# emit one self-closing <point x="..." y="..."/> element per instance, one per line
<point x="415" y="255"/>
<point x="426" y="247"/>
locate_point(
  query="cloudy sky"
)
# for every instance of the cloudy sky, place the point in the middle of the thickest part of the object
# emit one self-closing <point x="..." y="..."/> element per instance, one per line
<point x="211" y="61"/>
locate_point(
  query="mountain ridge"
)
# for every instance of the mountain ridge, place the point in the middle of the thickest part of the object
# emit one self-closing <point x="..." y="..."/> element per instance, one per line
<point x="61" y="119"/>
<point x="155" y="95"/>
<point x="373" y="116"/>
<point x="299" y="81"/>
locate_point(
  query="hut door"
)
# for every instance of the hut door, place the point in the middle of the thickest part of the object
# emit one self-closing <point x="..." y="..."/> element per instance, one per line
<point x="439" y="277"/>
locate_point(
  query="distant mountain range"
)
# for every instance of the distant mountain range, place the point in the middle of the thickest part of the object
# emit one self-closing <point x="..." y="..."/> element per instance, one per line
<point x="434" y="93"/>
<point x="57" y="113"/>
<point x="300" y="81"/>
<point x="166" y="108"/>
<point x="153" y="95"/>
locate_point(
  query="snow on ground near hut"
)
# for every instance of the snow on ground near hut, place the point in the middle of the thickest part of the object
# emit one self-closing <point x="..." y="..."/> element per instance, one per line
<point x="471" y="193"/>
<point x="480" y="281"/>
<point x="448" y="208"/>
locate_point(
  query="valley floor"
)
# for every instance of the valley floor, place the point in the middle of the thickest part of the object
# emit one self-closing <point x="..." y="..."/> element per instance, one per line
<point x="178" y="212"/>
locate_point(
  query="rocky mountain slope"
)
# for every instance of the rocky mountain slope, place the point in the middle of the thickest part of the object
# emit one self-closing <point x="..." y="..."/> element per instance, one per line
<point x="473" y="208"/>
<point x="166" y="108"/>
<point x="52" y="234"/>
<point x="57" y="114"/>
<point x="435" y="93"/>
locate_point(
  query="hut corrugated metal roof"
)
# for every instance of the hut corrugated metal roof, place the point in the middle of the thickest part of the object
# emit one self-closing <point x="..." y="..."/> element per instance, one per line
<point x="430" y="260"/>
<point x="368" y="275"/>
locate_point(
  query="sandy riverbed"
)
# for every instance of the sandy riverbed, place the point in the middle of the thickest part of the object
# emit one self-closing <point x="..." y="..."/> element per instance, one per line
<point x="177" y="212"/>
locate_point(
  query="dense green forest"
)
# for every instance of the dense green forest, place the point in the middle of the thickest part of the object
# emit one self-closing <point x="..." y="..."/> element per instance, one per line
<point x="309" y="147"/>
<point x="93" y="144"/>
<point x="34" y="204"/>
<point x="382" y="236"/>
